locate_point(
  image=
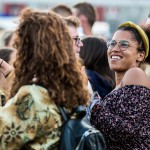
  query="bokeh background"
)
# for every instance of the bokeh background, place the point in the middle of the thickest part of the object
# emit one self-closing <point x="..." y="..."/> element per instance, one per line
<point x="110" y="13"/>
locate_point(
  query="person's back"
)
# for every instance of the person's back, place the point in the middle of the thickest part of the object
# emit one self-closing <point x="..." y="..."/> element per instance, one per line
<point x="46" y="75"/>
<point x="94" y="56"/>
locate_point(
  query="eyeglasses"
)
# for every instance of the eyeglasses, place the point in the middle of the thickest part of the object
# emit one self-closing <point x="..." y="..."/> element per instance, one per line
<point x="123" y="44"/>
<point x="77" y="40"/>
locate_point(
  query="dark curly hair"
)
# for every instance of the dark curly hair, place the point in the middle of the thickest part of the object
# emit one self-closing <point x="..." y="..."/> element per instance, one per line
<point x="45" y="51"/>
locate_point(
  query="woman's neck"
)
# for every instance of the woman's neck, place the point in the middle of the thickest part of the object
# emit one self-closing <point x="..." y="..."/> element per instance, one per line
<point x="118" y="77"/>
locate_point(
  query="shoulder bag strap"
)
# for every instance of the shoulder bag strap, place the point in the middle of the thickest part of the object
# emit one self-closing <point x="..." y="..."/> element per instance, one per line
<point x="63" y="113"/>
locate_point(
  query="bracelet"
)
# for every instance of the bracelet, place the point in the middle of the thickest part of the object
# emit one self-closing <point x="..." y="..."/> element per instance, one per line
<point x="1" y="62"/>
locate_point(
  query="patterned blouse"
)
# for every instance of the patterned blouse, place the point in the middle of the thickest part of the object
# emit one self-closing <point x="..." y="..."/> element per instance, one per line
<point x="123" y="116"/>
<point x="30" y="119"/>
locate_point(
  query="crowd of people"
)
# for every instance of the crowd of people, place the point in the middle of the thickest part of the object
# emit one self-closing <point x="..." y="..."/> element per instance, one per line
<point x="52" y="59"/>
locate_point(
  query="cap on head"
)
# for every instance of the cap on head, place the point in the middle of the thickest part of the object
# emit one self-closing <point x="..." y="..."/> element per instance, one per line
<point x="141" y="32"/>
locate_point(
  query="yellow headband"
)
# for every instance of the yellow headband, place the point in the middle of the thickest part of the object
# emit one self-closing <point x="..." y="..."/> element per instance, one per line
<point x="141" y="32"/>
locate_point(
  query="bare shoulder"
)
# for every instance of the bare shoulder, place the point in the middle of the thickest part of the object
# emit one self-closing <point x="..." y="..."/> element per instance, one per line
<point x="136" y="76"/>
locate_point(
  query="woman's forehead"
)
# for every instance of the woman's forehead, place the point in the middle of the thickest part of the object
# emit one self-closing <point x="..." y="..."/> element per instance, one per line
<point x="122" y="35"/>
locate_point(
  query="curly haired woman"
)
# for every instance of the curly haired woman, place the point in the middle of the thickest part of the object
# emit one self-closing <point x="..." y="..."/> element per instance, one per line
<point x="47" y="74"/>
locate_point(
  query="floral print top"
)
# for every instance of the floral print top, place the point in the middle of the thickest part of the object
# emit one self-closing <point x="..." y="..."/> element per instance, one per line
<point x="31" y="120"/>
<point x="123" y="116"/>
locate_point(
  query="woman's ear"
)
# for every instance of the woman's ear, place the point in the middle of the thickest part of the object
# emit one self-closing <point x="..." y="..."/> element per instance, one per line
<point x="141" y="56"/>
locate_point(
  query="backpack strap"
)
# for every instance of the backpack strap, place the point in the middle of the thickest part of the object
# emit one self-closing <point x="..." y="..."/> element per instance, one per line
<point x="85" y="134"/>
<point x="80" y="112"/>
<point x="63" y="113"/>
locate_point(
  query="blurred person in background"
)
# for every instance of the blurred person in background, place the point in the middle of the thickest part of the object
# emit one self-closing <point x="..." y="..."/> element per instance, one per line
<point x="73" y="24"/>
<point x="94" y="56"/>
<point x="148" y="19"/>
<point x="8" y="54"/>
<point x="47" y="74"/>
<point x="62" y="10"/>
<point x="7" y="38"/>
<point x="146" y="64"/>
<point x="12" y="40"/>
<point x="87" y="16"/>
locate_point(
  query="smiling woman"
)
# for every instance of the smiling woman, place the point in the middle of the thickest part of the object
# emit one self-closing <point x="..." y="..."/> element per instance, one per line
<point x="123" y="115"/>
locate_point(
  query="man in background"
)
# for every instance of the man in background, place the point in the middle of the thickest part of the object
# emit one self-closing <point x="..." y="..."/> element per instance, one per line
<point x="73" y="24"/>
<point x="86" y="15"/>
<point x="62" y="10"/>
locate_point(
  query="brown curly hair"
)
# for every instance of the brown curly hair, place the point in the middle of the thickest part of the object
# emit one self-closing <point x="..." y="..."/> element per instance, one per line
<point x="45" y="50"/>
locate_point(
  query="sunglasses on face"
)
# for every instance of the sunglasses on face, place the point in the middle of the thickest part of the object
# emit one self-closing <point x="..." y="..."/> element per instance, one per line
<point x="123" y="44"/>
<point x="77" y="40"/>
